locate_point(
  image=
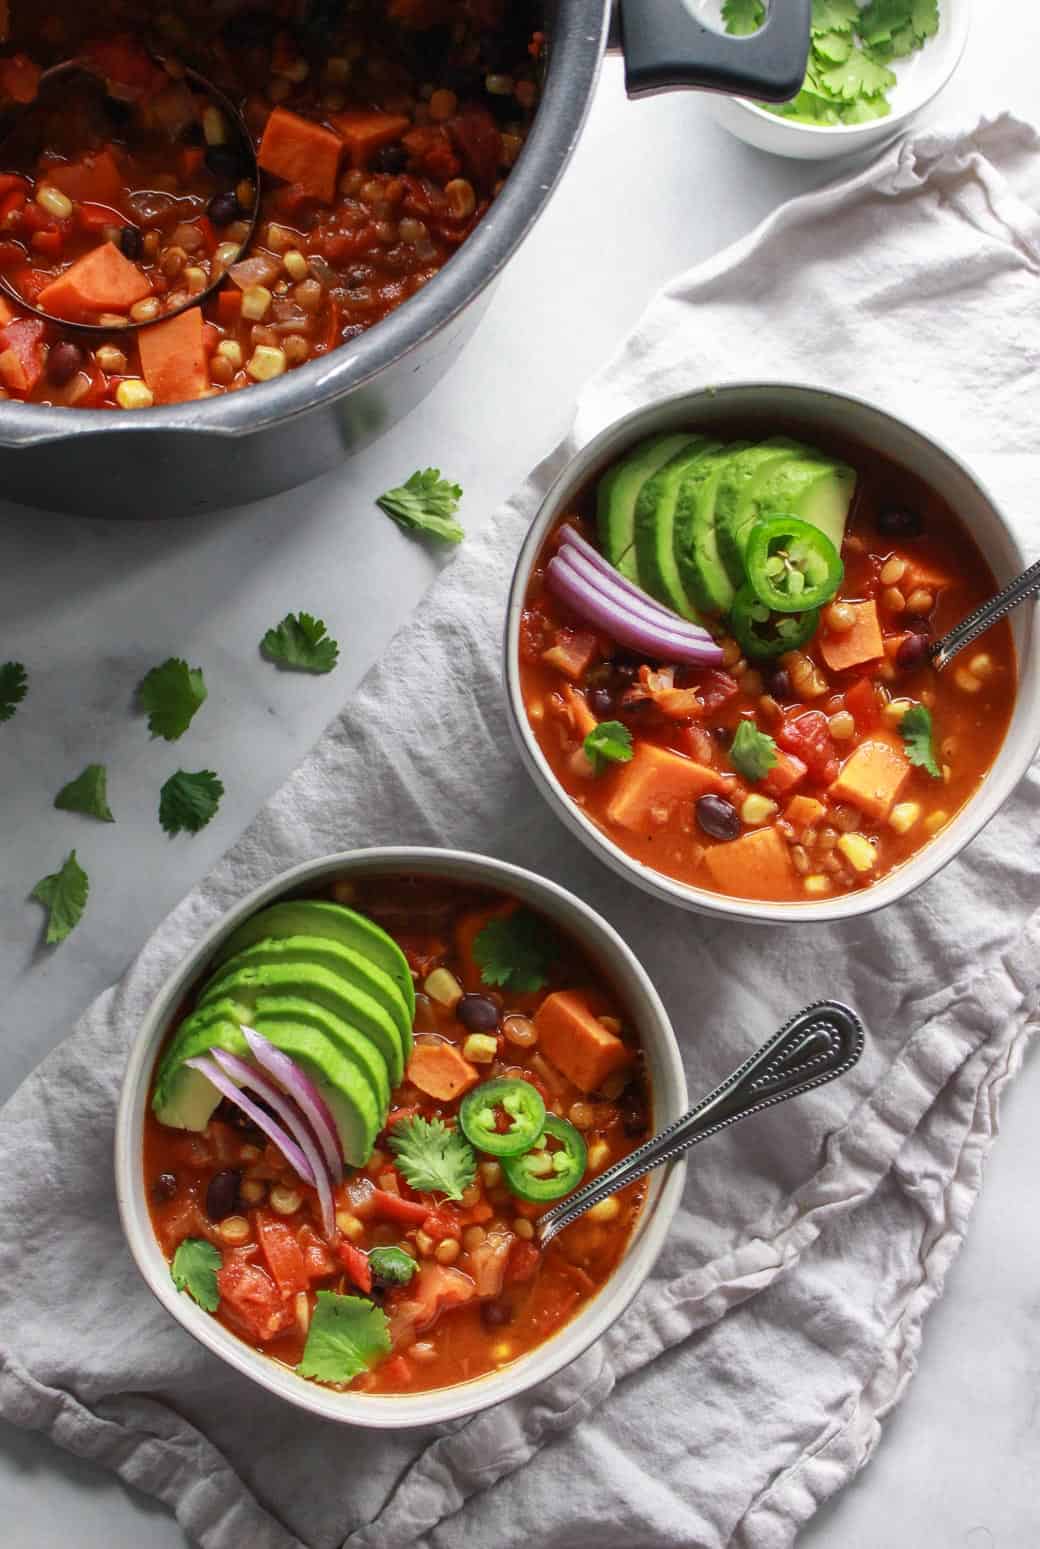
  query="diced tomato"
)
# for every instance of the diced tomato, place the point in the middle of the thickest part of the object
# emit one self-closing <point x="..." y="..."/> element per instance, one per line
<point x="397" y="1371"/>
<point x="808" y="737"/>
<point x="434" y="1289"/>
<point x="479" y="143"/>
<point x="19" y="78"/>
<point x="50" y="243"/>
<point x="190" y="161"/>
<point x="397" y="1114"/>
<point x="356" y="1265"/>
<point x="442" y="1222"/>
<point x="9" y="181"/>
<point x="786" y="773"/>
<point x="229" y="306"/>
<point x="251" y="1298"/>
<point x="285" y="1257"/>
<point x="573" y="652"/>
<point x="11" y="253"/>
<point x="316" y="1256"/>
<point x="21" y="354"/>
<point x="715" y="688"/>
<point x="524" y="1259"/>
<point x="122" y="59"/>
<point x="29" y="282"/>
<point x="389" y="1207"/>
<point x="95" y="217"/>
<point x="861" y="703"/>
<point x="11" y="203"/>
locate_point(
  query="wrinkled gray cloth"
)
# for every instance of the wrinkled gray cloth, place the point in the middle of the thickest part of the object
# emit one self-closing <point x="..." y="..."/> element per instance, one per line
<point x="750" y="1377"/>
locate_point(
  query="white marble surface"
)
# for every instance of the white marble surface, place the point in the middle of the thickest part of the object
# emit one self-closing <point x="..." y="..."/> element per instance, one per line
<point x="89" y="606"/>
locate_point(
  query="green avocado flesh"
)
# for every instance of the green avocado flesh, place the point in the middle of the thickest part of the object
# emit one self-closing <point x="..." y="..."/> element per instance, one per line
<point x="696" y="543"/>
<point x="816" y="490"/>
<point x="734" y="489"/>
<point x="659" y="571"/>
<point x="616" y="498"/>
<point x="316" y="917"/>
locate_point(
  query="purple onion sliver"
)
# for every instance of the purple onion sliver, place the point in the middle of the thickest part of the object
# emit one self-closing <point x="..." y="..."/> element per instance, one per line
<point x="273" y="1130"/>
<point x="642" y="606"/>
<point x="626" y="628"/>
<point x="299" y="1086"/>
<point x="571" y="539"/>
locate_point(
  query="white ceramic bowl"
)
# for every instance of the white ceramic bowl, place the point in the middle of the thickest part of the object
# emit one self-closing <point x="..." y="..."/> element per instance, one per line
<point x="670" y="1101"/>
<point x="921" y="78"/>
<point x="811" y="409"/>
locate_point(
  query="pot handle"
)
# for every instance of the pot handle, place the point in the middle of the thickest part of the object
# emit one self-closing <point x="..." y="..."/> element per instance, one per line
<point x="666" y="48"/>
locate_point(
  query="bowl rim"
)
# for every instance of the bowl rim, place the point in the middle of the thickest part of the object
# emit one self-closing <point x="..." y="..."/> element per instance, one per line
<point x="543" y="1361"/>
<point x="960" y="29"/>
<point x="1013" y="758"/>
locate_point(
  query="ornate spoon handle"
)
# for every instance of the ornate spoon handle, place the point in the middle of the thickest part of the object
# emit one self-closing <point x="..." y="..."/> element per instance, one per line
<point x="821" y="1042"/>
<point x="968" y="630"/>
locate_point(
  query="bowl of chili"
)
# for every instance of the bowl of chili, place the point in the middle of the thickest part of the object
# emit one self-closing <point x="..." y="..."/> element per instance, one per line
<point x="512" y="1094"/>
<point x="779" y="748"/>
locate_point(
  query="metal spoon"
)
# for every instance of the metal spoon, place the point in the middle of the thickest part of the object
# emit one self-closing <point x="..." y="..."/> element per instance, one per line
<point x="821" y="1042"/>
<point x="968" y="630"/>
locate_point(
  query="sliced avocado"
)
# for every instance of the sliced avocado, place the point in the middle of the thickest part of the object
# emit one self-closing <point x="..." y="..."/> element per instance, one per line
<point x="616" y="496"/>
<point x="733" y="487"/>
<point x="655" y="528"/>
<point x="271" y="1011"/>
<point x="811" y="487"/>
<point x="696" y="545"/>
<point x="327" y="953"/>
<point x="317" y="917"/>
<point x="185" y="1099"/>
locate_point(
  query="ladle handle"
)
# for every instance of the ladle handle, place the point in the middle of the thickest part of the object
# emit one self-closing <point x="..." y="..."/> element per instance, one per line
<point x="821" y="1042"/>
<point x="968" y="630"/>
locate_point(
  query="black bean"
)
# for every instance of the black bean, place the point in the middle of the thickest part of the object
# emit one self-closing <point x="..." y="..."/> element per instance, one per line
<point x="224" y="163"/>
<point x="898" y="522"/>
<point x="165" y="1186"/>
<point x="495" y="1314"/>
<point x="223" y="209"/>
<point x="222" y="1194"/>
<point x="64" y="361"/>
<point x="601" y="701"/>
<point x="390" y="158"/>
<point x="119" y="112"/>
<point x="131" y="242"/>
<point x="723" y="735"/>
<point x="633" y="1116"/>
<point x="477" y="1013"/>
<point x="718" y="817"/>
<point x="913" y="652"/>
<point x="779" y="684"/>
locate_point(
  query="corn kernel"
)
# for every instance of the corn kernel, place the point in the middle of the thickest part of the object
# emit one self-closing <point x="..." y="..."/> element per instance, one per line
<point x="842" y="726"/>
<point x="599" y="1155"/>
<point x="232" y="351"/>
<point x="448" y="1250"/>
<point x="893" y="570"/>
<point x="966" y="681"/>
<point x="134" y="394"/>
<point x="892" y="713"/>
<point x="502" y="1352"/>
<point x="235" y="1229"/>
<point x="893" y="599"/>
<point x="523" y="1228"/>
<point x="297" y="70"/>
<point x="817" y="884"/>
<point x="858" y="851"/>
<point x="903" y="816"/>
<point x="461" y="197"/>
<point x="213" y="126"/>
<point x="757" y="809"/>
<point x="226" y="254"/>
<point x="472" y="1237"/>
<point x="296" y="265"/>
<point x="443" y="105"/>
<point x="285" y="1202"/>
<point x="981" y="665"/>
<point x="491" y="1173"/>
<point x="424" y="1243"/>
<point x="480" y="1048"/>
<point x="256" y="303"/>
<point x="145" y="311"/>
<point x="251" y="1191"/>
<point x="350" y="1226"/>
<point x="112" y="361"/>
<point x="839" y="618"/>
<point x="935" y="821"/>
<point x="54" y="201"/>
<point x="266" y="363"/>
<point x="607" y="1210"/>
<point x="920" y="602"/>
<point x="443" y="987"/>
<point x="581" y="1115"/>
<point x="196" y="279"/>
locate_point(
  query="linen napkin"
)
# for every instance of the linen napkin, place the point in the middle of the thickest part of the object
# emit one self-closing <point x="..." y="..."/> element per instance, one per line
<point x="749" y="1379"/>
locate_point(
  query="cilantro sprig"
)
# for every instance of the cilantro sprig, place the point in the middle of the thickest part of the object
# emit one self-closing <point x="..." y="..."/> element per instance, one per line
<point x="743" y="16"/>
<point x="752" y="752"/>
<point x="14" y="685"/>
<point x="515" y="951"/>
<point x="347" y="1335"/>
<point x="300" y="642"/>
<point x="187" y="802"/>
<point x="425" y="503"/>
<point x="64" y="895"/>
<point x="433" y="1158"/>
<point x="918" y="737"/>
<point x="608" y="743"/>
<point x="194" y="1269"/>
<point x="88" y="794"/>
<point x="170" y="695"/>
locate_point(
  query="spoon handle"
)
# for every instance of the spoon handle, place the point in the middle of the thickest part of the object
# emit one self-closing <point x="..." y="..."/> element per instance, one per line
<point x="968" y="630"/>
<point x="821" y="1042"/>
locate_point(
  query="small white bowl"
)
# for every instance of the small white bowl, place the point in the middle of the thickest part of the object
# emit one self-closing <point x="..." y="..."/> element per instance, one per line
<point x="921" y="78"/>
<point x="670" y="1101"/>
<point x="817" y="410"/>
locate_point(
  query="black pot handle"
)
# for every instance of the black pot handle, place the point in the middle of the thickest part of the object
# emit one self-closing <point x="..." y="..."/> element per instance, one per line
<point x="666" y="49"/>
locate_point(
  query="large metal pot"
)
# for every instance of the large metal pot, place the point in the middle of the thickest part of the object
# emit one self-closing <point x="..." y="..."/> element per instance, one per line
<point x="195" y="457"/>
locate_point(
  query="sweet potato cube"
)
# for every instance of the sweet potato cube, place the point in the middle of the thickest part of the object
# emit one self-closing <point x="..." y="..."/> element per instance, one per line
<point x="803" y="811"/>
<point x="872" y="776"/>
<point x="786" y="773"/>
<point x="439" y="1070"/>
<point x="657" y="777"/>
<point x="573" y="653"/>
<point x="862" y="643"/>
<point x="101" y="281"/>
<point x="574" y="1040"/>
<point x="365" y="133"/>
<point x="6" y="313"/>
<point x="301" y="152"/>
<point x="96" y="178"/>
<point x="755" y="866"/>
<point x="173" y="358"/>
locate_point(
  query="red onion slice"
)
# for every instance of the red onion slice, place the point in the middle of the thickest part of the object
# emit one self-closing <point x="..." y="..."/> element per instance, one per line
<point x="625" y="627"/>
<point x="274" y="1131"/>
<point x="573" y="540"/>
<point x="299" y="1086"/>
<point x="640" y="605"/>
<point x="316" y="1172"/>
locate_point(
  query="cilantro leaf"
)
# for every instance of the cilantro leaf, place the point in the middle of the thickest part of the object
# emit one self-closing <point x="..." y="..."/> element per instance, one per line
<point x="833" y="47"/>
<point x="859" y="76"/>
<point x="188" y="801"/>
<point x="608" y="743"/>
<point x="170" y="695"/>
<point x="346" y="1336"/>
<point x="391" y="1266"/>
<point x="87" y="794"/>
<point x="743" y="16"/>
<point x="425" y="503"/>
<point x="752" y="752"/>
<point x="194" y="1269"/>
<point x="433" y="1158"/>
<point x="833" y="16"/>
<point x="64" y="895"/>
<point x="300" y="642"/>
<point x="14" y="685"/>
<point x="515" y="951"/>
<point x="916" y="731"/>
